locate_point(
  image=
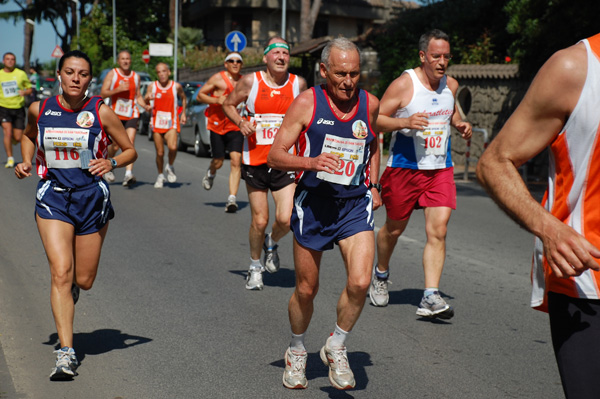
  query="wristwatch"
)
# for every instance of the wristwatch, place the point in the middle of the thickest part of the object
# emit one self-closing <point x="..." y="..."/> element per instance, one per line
<point x="376" y="185"/>
<point x="113" y="162"/>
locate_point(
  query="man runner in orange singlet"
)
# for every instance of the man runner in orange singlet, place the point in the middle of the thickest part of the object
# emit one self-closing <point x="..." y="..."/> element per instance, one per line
<point x="122" y="86"/>
<point x="268" y="96"/>
<point x="165" y="124"/>
<point x="224" y="134"/>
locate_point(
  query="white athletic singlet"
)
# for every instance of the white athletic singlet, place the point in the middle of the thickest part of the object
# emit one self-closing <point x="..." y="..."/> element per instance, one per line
<point x="574" y="187"/>
<point x="426" y="149"/>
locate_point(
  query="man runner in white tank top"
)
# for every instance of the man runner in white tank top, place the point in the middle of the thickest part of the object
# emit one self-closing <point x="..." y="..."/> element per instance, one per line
<point x="418" y="107"/>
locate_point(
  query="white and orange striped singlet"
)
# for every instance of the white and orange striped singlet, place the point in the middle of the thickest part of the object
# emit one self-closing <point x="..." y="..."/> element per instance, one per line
<point x="265" y="99"/>
<point x="573" y="194"/>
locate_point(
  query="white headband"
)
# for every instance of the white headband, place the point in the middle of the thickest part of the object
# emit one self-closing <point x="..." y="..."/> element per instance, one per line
<point x="233" y="56"/>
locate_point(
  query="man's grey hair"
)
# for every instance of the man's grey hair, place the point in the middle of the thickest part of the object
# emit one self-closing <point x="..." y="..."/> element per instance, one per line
<point x="432" y="34"/>
<point x="341" y="43"/>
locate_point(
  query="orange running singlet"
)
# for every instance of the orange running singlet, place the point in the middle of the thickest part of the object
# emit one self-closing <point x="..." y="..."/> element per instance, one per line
<point x="164" y="110"/>
<point x="274" y="101"/>
<point x="123" y="103"/>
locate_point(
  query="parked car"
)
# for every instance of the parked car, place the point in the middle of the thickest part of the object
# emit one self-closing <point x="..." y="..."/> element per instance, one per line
<point x="47" y="84"/>
<point x="195" y="132"/>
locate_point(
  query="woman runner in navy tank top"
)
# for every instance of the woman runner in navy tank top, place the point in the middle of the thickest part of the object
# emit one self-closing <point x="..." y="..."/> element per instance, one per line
<point x="72" y="133"/>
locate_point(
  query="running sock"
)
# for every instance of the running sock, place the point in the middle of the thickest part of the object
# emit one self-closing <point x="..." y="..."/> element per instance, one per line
<point x="269" y="242"/>
<point x="231" y="197"/>
<point x="429" y="291"/>
<point x="255" y="264"/>
<point x="338" y="337"/>
<point x="297" y="343"/>
<point x="209" y="174"/>
<point x="128" y="173"/>
<point x="10" y="159"/>
<point x="162" y="175"/>
<point x="382" y="275"/>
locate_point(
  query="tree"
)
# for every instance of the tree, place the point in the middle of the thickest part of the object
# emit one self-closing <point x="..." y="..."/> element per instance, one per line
<point x="541" y="28"/>
<point x="308" y="17"/>
<point x="476" y="36"/>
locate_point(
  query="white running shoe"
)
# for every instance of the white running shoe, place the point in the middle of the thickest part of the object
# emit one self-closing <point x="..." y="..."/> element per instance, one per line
<point x="207" y="181"/>
<point x="170" y="171"/>
<point x="254" y="279"/>
<point x="271" y="257"/>
<point x="66" y="364"/>
<point x="231" y="206"/>
<point x="340" y="374"/>
<point x="433" y="306"/>
<point x="378" y="291"/>
<point x="160" y="181"/>
<point x="109" y="177"/>
<point x="129" y="180"/>
<point x="294" y="376"/>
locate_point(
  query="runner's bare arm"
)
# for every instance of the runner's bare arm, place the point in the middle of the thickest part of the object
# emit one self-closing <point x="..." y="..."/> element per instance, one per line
<point x="398" y="95"/>
<point x="374" y="150"/>
<point x="183" y="98"/>
<point x="105" y="91"/>
<point x="115" y="130"/>
<point x="239" y="94"/>
<point x="296" y="120"/>
<point x="24" y="168"/>
<point x="204" y="94"/>
<point x="535" y="123"/>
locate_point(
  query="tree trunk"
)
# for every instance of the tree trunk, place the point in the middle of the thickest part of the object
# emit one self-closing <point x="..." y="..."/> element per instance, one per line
<point x="308" y="17"/>
<point x="27" y="45"/>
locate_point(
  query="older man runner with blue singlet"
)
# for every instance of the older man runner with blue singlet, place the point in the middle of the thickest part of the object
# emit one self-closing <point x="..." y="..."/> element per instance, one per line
<point x="337" y="172"/>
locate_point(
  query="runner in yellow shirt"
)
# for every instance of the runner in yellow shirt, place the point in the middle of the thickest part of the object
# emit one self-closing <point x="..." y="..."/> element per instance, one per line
<point x="15" y="87"/>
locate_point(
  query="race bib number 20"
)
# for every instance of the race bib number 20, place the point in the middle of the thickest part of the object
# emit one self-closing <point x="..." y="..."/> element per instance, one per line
<point x="351" y="153"/>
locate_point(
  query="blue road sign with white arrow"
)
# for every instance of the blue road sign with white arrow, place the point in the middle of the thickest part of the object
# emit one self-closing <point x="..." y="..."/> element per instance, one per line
<point x="235" y="41"/>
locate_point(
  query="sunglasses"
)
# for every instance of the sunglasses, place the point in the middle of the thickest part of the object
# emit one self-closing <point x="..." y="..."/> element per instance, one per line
<point x="234" y="61"/>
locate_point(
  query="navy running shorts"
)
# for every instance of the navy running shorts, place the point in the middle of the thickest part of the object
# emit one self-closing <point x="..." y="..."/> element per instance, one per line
<point x="87" y="208"/>
<point x="319" y="222"/>
<point x="262" y="177"/>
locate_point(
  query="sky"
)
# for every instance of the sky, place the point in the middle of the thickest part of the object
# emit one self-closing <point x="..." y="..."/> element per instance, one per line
<point x="13" y="36"/>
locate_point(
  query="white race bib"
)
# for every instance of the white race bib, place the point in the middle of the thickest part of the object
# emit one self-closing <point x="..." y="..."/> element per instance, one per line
<point x="435" y="137"/>
<point x="124" y="107"/>
<point x="163" y="120"/>
<point x="351" y="153"/>
<point x="267" y="126"/>
<point x="63" y="146"/>
<point x="10" y="88"/>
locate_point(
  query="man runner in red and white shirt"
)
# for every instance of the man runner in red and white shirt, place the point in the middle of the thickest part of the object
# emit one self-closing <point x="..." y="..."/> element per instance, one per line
<point x="268" y="96"/>
<point x="165" y="124"/>
<point x="122" y="86"/>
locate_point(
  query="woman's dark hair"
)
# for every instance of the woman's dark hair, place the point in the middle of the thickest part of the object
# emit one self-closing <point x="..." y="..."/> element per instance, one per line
<point x="76" y="54"/>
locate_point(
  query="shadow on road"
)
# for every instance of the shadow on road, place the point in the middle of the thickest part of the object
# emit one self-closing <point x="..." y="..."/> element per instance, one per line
<point x="99" y="341"/>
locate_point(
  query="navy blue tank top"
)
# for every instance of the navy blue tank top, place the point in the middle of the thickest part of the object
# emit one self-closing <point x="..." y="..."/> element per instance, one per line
<point x="349" y="138"/>
<point x="62" y="136"/>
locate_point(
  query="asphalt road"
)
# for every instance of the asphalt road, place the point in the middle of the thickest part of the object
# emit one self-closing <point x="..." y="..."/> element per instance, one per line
<point x="168" y="316"/>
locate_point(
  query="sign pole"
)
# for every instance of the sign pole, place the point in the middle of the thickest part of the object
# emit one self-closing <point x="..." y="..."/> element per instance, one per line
<point x="176" y="31"/>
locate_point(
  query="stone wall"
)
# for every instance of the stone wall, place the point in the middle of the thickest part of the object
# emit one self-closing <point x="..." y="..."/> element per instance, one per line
<point x="487" y="102"/>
